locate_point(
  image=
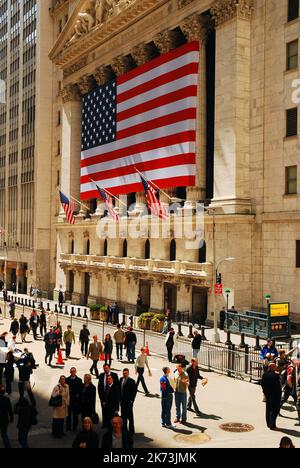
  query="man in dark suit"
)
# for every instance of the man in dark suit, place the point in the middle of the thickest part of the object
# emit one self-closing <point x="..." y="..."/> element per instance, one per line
<point x="102" y="385"/>
<point x="6" y="416"/>
<point x="271" y="386"/>
<point x="128" y="392"/>
<point x="110" y="401"/>
<point x="75" y="389"/>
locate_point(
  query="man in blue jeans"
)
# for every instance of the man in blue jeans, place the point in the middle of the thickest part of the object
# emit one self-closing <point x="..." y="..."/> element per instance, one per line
<point x="166" y="399"/>
<point x="182" y="382"/>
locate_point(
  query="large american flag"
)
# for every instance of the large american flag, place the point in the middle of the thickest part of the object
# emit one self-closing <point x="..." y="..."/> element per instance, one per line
<point x="68" y="206"/>
<point x="145" y="120"/>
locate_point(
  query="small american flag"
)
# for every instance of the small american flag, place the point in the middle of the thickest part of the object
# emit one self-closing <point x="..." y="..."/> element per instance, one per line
<point x="145" y="119"/>
<point x="154" y="204"/>
<point x="68" y="206"/>
<point x="109" y="203"/>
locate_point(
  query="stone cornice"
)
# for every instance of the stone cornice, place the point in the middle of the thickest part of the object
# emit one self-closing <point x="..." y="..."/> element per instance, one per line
<point x="62" y="55"/>
<point x="225" y="10"/>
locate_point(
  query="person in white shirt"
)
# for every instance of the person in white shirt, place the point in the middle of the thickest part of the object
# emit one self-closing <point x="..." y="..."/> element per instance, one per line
<point x="141" y="363"/>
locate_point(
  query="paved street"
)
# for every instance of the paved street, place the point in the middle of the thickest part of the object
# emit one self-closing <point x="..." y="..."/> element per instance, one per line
<point x="223" y="400"/>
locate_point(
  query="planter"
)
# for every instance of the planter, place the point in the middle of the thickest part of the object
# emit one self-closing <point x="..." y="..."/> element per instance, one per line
<point x="144" y="321"/>
<point x="103" y="315"/>
<point x="95" y="314"/>
<point x="157" y="323"/>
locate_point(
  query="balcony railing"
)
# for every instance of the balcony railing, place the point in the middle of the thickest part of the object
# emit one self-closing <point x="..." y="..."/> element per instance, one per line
<point x="187" y="269"/>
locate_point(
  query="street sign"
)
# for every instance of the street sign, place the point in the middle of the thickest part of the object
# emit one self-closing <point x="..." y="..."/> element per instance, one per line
<point x="219" y="289"/>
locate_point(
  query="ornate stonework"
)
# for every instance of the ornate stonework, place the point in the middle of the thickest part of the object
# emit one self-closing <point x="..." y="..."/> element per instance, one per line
<point x="165" y="41"/>
<point x="70" y="93"/>
<point x="195" y="28"/>
<point x="141" y="54"/>
<point x="183" y="3"/>
<point x="121" y="65"/>
<point x="224" y="10"/>
<point x="77" y="66"/>
<point x="102" y="75"/>
<point x="86" y="84"/>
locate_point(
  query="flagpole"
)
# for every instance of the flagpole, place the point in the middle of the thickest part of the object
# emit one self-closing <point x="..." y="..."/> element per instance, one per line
<point x="77" y="201"/>
<point x="151" y="182"/>
<point x="116" y="198"/>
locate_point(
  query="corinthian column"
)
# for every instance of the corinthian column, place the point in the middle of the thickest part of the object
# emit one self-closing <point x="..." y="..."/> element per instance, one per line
<point x="232" y="137"/>
<point x="71" y="140"/>
<point x="195" y="28"/>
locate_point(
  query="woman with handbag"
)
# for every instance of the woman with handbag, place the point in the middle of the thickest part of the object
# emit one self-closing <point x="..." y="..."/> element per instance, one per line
<point x="108" y="349"/>
<point x="60" y="400"/>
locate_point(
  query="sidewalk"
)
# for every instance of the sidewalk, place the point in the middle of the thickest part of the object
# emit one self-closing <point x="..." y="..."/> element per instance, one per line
<point x="223" y="400"/>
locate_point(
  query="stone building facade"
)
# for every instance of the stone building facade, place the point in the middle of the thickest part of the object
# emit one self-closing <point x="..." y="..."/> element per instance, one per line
<point x="25" y="143"/>
<point x="244" y="156"/>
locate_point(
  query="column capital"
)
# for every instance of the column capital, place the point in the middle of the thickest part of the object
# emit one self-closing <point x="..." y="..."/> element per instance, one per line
<point x="85" y="84"/>
<point x="102" y="75"/>
<point x="121" y="65"/>
<point x="165" y="41"/>
<point x="196" y="28"/>
<point x="225" y="10"/>
<point x="70" y="93"/>
<point x="141" y="54"/>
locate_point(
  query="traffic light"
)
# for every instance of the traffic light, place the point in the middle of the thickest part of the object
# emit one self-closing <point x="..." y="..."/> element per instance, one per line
<point x="219" y="278"/>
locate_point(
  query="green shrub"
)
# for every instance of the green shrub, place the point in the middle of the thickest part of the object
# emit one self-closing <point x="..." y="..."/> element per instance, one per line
<point x="95" y="307"/>
<point x="157" y="323"/>
<point x="144" y="320"/>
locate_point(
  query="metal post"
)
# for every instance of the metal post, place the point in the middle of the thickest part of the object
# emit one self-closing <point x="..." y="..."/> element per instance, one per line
<point x="190" y="332"/>
<point x="48" y="307"/>
<point x="228" y="342"/>
<point x="203" y="334"/>
<point x="242" y="344"/>
<point x="246" y="358"/>
<point x="123" y="321"/>
<point x="66" y="310"/>
<point x="131" y="321"/>
<point x="257" y="346"/>
<point x="103" y="331"/>
<point x="216" y="335"/>
<point x="78" y="313"/>
<point x="72" y="312"/>
<point x="144" y="342"/>
<point x="85" y="314"/>
<point x="56" y="309"/>
<point x="25" y="302"/>
<point x="179" y="329"/>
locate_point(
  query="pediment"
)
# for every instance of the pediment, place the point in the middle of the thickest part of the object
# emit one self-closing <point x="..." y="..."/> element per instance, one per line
<point x="91" y="20"/>
<point x="98" y="29"/>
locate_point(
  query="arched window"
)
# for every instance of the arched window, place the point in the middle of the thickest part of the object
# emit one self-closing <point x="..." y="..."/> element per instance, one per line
<point x="88" y="247"/>
<point x="105" y="249"/>
<point x="147" y="249"/>
<point x="125" y="248"/>
<point x="173" y="250"/>
<point x="202" y="253"/>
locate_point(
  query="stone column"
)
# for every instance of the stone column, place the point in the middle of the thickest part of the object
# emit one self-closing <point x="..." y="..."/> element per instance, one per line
<point x="195" y="28"/>
<point x="71" y="141"/>
<point x="232" y="120"/>
<point x="141" y="55"/>
<point x="165" y="42"/>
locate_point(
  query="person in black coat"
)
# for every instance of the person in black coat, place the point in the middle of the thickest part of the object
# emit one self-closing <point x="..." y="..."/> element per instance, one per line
<point x="84" y="339"/>
<point x="24" y="412"/>
<point x="271" y="386"/>
<point x="222" y="318"/>
<point x="42" y="321"/>
<point x="60" y="298"/>
<point x="170" y="341"/>
<point x="122" y="439"/>
<point x="196" y="344"/>
<point x="14" y="327"/>
<point x="194" y="375"/>
<point x="110" y="401"/>
<point x="87" y="438"/>
<point x="33" y="322"/>
<point x="75" y="388"/>
<point x="9" y="371"/>
<point x="6" y="416"/>
<point x="88" y="398"/>
<point x="23" y="327"/>
<point x="128" y="391"/>
<point x="108" y="349"/>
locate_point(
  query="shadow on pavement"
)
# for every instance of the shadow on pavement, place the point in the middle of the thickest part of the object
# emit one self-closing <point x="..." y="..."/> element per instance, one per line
<point x="195" y="426"/>
<point x="291" y="432"/>
<point x="208" y="416"/>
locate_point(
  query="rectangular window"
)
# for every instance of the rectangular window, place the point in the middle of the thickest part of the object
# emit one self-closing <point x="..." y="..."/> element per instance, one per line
<point x="297" y="254"/>
<point x="292" y="55"/>
<point x="293" y="9"/>
<point x="58" y="179"/>
<point x="58" y="148"/>
<point x="291" y="180"/>
<point x="58" y="118"/>
<point x="292" y="122"/>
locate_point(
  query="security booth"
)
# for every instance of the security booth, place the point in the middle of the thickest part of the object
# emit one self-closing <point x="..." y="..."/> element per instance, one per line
<point x="275" y="323"/>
